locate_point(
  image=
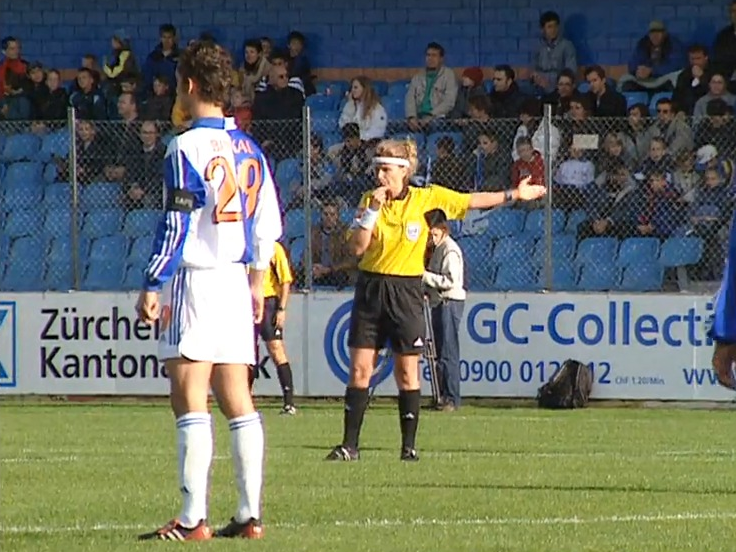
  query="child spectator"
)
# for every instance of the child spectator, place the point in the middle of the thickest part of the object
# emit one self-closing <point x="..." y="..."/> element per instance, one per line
<point x="447" y="169"/>
<point x="90" y="62"/>
<point x="158" y="107"/>
<point x="490" y="171"/>
<point x="36" y="90"/>
<point x="55" y="107"/>
<point x="658" y="160"/>
<point x="531" y="127"/>
<point x="529" y="163"/>
<point x="659" y="214"/>
<point x="13" y="82"/>
<point x="352" y="161"/>
<point x="299" y="65"/>
<point x="613" y="153"/>
<point x="707" y="157"/>
<point x="122" y="62"/>
<point x="709" y="214"/>
<point x="611" y="205"/>
<point x="471" y="87"/>
<point x="87" y="101"/>
<point x="686" y="179"/>
<point x="573" y="176"/>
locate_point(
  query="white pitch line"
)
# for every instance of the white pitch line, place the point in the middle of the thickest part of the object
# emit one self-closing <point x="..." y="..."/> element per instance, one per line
<point x="418" y="522"/>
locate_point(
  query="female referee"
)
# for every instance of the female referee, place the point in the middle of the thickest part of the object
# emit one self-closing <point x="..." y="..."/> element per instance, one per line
<point x="390" y="235"/>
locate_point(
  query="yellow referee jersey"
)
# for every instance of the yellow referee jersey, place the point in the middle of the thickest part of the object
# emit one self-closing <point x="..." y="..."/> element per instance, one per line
<point x="400" y="236"/>
<point x="279" y="273"/>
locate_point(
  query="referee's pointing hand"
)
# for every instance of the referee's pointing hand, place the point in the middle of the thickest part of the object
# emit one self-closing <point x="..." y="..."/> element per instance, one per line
<point x="529" y="191"/>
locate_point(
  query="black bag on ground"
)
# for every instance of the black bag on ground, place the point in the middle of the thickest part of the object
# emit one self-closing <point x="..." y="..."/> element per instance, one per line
<point x="569" y="386"/>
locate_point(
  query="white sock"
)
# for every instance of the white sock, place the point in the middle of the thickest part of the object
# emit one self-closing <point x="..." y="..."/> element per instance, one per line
<point x="194" y="434"/>
<point x="246" y="436"/>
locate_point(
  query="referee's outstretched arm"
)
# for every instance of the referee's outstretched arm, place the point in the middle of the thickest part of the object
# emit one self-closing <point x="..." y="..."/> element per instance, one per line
<point x="389" y="235"/>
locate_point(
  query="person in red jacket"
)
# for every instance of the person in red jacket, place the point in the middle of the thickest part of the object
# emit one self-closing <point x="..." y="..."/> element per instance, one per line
<point x="13" y="77"/>
<point x="530" y="163"/>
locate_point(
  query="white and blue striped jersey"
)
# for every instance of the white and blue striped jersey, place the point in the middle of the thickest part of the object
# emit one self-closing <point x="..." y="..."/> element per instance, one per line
<point x="221" y="205"/>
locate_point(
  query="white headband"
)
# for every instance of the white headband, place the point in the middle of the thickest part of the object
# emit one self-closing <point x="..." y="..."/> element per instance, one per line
<point x="391" y="161"/>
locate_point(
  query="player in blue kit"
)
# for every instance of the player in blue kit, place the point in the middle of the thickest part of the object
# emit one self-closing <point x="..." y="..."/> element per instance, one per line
<point x="723" y="327"/>
<point x="221" y="216"/>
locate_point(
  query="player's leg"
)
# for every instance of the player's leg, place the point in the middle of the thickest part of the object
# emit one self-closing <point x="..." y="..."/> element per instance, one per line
<point x="189" y="382"/>
<point x="229" y="383"/>
<point x="407" y="334"/>
<point x="231" y="319"/>
<point x="274" y="338"/>
<point x="365" y="339"/>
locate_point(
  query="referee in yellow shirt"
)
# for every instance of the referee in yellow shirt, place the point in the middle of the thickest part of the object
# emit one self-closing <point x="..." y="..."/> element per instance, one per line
<point x="390" y="234"/>
<point x="276" y="286"/>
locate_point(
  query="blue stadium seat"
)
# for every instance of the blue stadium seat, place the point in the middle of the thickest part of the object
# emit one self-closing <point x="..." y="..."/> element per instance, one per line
<point x="21" y="147"/>
<point x="295" y="224"/>
<point x="636" y="251"/>
<point x="633" y="98"/>
<point x="395" y="107"/>
<point x="62" y="249"/>
<point x="642" y="277"/>
<point x="54" y="144"/>
<point x="58" y="196"/>
<point x="537" y="219"/>
<point x="133" y="277"/>
<point x="296" y="252"/>
<point x="584" y="87"/>
<point x="574" y="219"/>
<point x="109" y="248"/>
<point x="23" y="223"/>
<point x="105" y="222"/>
<point x="505" y="222"/>
<point x="432" y="139"/>
<point x="18" y="196"/>
<point x="419" y="137"/>
<point x="526" y="87"/>
<point x="104" y="275"/>
<point x="100" y="195"/>
<point x="58" y="222"/>
<point x="681" y="252"/>
<point x="515" y="276"/>
<point x="141" y="222"/>
<point x="600" y="276"/>
<point x="655" y="98"/>
<point x="288" y="171"/>
<point x="332" y="87"/>
<point x="330" y="139"/>
<point x="4" y="246"/>
<point x="488" y="85"/>
<point x="513" y="249"/>
<point x="25" y="249"/>
<point x="596" y="250"/>
<point x="140" y="251"/>
<point x="50" y="172"/>
<point x="325" y="121"/>
<point x="59" y="275"/>
<point x="563" y="249"/>
<point x="27" y="276"/>
<point x="321" y="102"/>
<point x="397" y="89"/>
<point x="23" y="173"/>
<point x="2" y="168"/>
<point x="381" y="87"/>
<point x="563" y="277"/>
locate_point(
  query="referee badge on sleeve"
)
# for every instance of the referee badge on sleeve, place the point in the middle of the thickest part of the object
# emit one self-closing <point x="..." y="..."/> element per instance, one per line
<point x="413" y="230"/>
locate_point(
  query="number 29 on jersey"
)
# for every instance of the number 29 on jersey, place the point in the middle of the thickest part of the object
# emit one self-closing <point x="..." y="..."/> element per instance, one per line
<point x="248" y="179"/>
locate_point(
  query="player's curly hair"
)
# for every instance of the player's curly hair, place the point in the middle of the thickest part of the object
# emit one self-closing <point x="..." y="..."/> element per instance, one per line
<point x="404" y="149"/>
<point x="210" y="66"/>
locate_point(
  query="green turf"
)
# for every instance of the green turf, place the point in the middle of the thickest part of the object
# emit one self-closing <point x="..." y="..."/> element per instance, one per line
<point x="91" y="477"/>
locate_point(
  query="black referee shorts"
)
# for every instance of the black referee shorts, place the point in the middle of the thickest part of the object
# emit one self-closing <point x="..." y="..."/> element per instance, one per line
<point x="388" y="309"/>
<point x="269" y="331"/>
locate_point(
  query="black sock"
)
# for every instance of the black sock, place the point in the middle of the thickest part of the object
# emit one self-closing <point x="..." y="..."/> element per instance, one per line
<point x="356" y="401"/>
<point x="409" y="416"/>
<point x="283" y="371"/>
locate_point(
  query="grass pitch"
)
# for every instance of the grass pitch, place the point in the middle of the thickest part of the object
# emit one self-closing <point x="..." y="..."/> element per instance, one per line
<point x="81" y="477"/>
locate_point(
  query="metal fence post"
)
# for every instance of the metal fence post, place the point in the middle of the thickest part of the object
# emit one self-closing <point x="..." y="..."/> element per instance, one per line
<point x="76" y="258"/>
<point x="307" y="184"/>
<point x="548" y="161"/>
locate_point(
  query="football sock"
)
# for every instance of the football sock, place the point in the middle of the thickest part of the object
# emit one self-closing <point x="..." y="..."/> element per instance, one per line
<point x="409" y="417"/>
<point x="356" y="401"/>
<point x="194" y="436"/>
<point x="246" y="437"/>
<point x="283" y="371"/>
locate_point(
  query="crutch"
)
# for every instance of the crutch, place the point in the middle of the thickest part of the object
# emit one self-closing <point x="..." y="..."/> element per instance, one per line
<point x="430" y="352"/>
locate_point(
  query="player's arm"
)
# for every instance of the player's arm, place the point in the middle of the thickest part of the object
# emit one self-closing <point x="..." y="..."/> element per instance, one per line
<point x="361" y="230"/>
<point x="267" y="227"/>
<point x="185" y="193"/>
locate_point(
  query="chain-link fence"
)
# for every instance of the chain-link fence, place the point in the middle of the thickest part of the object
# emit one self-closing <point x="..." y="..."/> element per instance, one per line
<point x="638" y="204"/>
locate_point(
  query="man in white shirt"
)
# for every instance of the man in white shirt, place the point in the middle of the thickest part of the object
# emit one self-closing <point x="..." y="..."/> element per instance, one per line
<point x="444" y="281"/>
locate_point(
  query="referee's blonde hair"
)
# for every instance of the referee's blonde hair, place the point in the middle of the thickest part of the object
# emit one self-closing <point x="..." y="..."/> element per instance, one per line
<point x="403" y="149"/>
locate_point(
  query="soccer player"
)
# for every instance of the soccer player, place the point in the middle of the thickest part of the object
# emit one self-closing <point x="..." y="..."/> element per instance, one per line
<point x="276" y="286"/>
<point x="390" y="234"/>
<point x="723" y="327"/>
<point x="221" y="214"/>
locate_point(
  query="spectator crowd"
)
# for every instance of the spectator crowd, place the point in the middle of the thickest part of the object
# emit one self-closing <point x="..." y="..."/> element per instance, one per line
<point x="651" y="154"/>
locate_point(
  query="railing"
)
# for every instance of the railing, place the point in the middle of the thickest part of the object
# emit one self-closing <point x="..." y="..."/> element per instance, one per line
<point x="626" y="209"/>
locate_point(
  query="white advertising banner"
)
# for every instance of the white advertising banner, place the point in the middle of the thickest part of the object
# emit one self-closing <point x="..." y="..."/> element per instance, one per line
<point x="640" y="346"/>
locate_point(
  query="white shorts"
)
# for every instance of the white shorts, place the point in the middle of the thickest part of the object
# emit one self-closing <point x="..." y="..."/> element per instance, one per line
<point x="207" y="316"/>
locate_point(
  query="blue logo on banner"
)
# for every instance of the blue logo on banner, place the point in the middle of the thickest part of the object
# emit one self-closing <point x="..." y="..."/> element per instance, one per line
<point x="8" y="344"/>
<point x="337" y="352"/>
